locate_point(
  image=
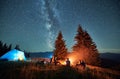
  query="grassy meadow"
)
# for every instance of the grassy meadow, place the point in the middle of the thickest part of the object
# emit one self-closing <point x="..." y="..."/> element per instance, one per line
<point x="30" y="70"/>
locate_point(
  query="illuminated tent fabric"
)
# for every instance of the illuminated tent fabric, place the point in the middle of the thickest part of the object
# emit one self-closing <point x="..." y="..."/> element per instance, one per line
<point x="14" y="55"/>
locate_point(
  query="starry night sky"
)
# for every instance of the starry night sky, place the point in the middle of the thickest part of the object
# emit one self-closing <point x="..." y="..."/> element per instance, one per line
<point x="34" y="24"/>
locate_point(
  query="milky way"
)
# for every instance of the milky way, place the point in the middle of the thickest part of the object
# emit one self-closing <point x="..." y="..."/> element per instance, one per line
<point x="51" y="17"/>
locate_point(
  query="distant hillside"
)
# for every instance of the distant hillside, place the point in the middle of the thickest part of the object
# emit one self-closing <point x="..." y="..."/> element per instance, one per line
<point x="108" y="56"/>
<point x="110" y="60"/>
<point x="111" y="56"/>
<point x="41" y="54"/>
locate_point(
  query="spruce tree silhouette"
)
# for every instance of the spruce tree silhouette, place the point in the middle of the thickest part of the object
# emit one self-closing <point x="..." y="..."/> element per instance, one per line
<point x="86" y="47"/>
<point x="60" y="50"/>
<point x="4" y="48"/>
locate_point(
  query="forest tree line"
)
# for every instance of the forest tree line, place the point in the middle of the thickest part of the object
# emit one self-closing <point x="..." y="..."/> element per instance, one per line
<point x="4" y="48"/>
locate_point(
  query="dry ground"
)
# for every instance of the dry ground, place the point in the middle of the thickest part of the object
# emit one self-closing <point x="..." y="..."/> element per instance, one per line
<point x="29" y="70"/>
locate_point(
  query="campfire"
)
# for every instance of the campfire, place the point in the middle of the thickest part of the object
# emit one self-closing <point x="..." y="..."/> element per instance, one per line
<point x="74" y="59"/>
<point x="63" y="62"/>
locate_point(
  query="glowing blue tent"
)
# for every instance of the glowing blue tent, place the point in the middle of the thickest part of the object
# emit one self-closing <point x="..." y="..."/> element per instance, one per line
<point x="14" y="55"/>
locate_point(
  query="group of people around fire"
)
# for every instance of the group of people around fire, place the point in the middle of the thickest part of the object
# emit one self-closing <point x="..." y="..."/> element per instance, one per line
<point x="68" y="63"/>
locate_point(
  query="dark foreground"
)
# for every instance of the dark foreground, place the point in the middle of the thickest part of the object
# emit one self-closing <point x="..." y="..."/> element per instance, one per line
<point x="28" y="70"/>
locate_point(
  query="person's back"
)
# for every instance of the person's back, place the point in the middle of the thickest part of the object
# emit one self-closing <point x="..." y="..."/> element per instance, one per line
<point x="83" y="64"/>
<point x="68" y="62"/>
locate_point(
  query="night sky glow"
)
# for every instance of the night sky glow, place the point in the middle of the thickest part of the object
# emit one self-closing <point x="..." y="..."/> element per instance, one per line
<point x="34" y="24"/>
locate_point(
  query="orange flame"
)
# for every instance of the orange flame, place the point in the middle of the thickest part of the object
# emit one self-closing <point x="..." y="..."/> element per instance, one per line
<point x="63" y="62"/>
<point x="74" y="57"/>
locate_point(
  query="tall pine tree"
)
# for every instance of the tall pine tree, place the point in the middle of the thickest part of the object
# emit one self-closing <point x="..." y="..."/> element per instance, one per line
<point x="60" y="51"/>
<point x="1" y="48"/>
<point x="17" y="47"/>
<point x="86" y="47"/>
<point x="79" y="38"/>
<point x="4" y="48"/>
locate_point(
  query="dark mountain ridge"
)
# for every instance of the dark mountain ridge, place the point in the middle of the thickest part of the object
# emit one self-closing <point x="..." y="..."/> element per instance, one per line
<point x="111" y="56"/>
<point x="41" y="54"/>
